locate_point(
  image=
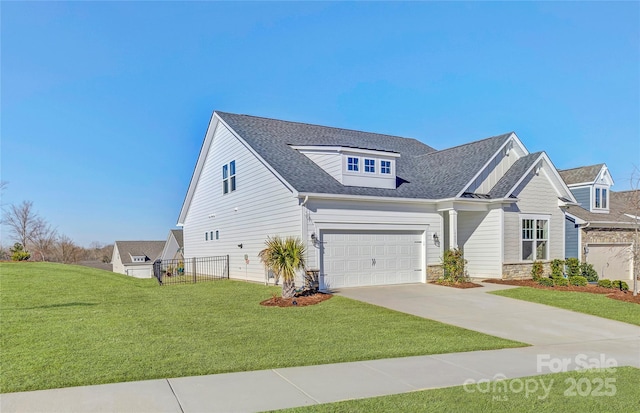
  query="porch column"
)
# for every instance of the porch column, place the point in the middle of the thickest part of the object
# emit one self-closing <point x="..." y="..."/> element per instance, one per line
<point x="453" y="229"/>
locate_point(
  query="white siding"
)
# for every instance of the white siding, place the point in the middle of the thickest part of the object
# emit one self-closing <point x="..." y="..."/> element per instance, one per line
<point x="479" y="235"/>
<point x="571" y="239"/>
<point x="330" y="162"/>
<point x="537" y="196"/>
<point x="261" y="206"/>
<point x="372" y="216"/>
<point x="116" y="261"/>
<point x="493" y="172"/>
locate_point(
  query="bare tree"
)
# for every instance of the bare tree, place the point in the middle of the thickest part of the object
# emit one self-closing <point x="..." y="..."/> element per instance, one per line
<point x="68" y="251"/>
<point x="22" y="221"/>
<point x="44" y="239"/>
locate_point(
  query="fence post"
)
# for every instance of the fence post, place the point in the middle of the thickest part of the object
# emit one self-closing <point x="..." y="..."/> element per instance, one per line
<point x="227" y="266"/>
<point x="194" y="268"/>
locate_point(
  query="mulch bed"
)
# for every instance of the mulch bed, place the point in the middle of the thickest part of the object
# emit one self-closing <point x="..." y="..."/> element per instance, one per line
<point x="462" y="284"/>
<point x="298" y="301"/>
<point x="593" y="289"/>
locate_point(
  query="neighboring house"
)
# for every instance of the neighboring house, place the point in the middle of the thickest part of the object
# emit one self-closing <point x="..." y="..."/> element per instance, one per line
<point x="372" y="209"/>
<point x="136" y="258"/>
<point x="173" y="247"/>
<point x="601" y="229"/>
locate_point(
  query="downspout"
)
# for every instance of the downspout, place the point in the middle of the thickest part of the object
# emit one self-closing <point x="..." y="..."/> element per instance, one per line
<point x="304" y="229"/>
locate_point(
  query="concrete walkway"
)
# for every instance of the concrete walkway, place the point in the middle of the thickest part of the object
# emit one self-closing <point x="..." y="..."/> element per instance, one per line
<point x="556" y="334"/>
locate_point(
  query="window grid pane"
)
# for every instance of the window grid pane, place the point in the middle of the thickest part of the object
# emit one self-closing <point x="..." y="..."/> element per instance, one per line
<point x="369" y="165"/>
<point x="352" y="164"/>
<point x="604" y="198"/>
<point x="385" y="167"/>
<point x="232" y="167"/>
<point x="225" y="171"/>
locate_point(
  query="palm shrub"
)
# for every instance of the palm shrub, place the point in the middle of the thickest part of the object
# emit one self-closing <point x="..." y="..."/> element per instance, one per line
<point x="284" y="257"/>
<point x="453" y="264"/>
<point x="537" y="270"/>
<point x="557" y="267"/>
<point x="573" y="267"/>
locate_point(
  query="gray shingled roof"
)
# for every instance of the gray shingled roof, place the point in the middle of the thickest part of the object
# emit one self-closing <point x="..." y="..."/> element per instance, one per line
<point x="422" y="171"/>
<point x="513" y="175"/>
<point x="581" y="174"/>
<point x="177" y="234"/>
<point x="150" y="249"/>
<point x="620" y="203"/>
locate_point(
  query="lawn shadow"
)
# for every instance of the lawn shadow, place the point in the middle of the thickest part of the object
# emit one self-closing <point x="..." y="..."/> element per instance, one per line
<point x="61" y="305"/>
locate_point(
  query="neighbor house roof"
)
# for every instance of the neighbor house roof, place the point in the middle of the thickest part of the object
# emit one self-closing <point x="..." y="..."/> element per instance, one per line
<point x="583" y="174"/>
<point x="177" y="234"/>
<point x="422" y="172"/>
<point x="149" y="249"/>
<point x="621" y="205"/>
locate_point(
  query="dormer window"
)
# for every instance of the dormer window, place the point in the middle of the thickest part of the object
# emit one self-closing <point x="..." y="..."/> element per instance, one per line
<point x="352" y="164"/>
<point x="138" y="258"/>
<point x="385" y="167"/>
<point x="370" y="165"/>
<point x="601" y="198"/>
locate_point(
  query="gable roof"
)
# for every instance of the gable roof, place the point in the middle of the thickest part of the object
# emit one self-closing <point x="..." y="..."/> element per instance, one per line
<point x="422" y="172"/>
<point x="150" y="249"/>
<point x="178" y="235"/>
<point x="582" y="174"/>
<point x="511" y="178"/>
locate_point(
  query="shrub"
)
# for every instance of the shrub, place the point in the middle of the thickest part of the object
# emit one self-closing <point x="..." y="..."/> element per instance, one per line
<point x="573" y="267"/>
<point x="18" y="253"/>
<point x="623" y="286"/>
<point x="605" y="283"/>
<point x="588" y="272"/>
<point x="578" y="280"/>
<point x="453" y="264"/>
<point x="557" y="268"/>
<point x="537" y="270"/>
<point x="547" y="282"/>
<point x="561" y="282"/>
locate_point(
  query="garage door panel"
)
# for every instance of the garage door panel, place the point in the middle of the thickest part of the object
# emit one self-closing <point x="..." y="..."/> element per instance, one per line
<point x="358" y="258"/>
<point x="611" y="261"/>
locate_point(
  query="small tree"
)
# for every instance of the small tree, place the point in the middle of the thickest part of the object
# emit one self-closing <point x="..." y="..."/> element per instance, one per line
<point x="537" y="270"/>
<point x="18" y="252"/>
<point x="573" y="267"/>
<point x="284" y="257"/>
<point x="557" y="268"/>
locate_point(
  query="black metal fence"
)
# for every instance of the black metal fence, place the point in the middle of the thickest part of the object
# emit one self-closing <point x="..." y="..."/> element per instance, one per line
<point x="191" y="270"/>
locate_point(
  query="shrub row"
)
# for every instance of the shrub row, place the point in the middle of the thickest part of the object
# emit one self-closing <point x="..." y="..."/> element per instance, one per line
<point x="616" y="284"/>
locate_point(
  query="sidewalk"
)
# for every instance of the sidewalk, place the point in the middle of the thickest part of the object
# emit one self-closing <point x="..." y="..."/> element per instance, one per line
<point x="571" y="334"/>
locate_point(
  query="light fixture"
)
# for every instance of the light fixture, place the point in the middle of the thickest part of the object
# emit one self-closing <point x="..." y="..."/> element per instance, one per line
<point x="239" y="245"/>
<point x="435" y="238"/>
<point x="313" y="237"/>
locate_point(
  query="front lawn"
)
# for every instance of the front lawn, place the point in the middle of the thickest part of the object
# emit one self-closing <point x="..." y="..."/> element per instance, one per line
<point x="588" y="391"/>
<point x="67" y="326"/>
<point x="594" y="304"/>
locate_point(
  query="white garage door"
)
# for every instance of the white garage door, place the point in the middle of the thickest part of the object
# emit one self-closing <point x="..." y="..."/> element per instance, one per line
<point x="359" y="258"/>
<point x="611" y="261"/>
<point x="140" y="272"/>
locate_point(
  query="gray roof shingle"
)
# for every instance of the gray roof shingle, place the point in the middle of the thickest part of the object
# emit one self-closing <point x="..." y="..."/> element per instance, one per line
<point x="620" y="203"/>
<point x="422" y="171"/>
<point x="581" y="174"/>
<point x="150" y="249"/>
<point x="177" y="234"/>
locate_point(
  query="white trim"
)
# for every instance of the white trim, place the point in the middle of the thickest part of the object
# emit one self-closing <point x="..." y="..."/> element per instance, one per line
<point x="346" y="150"/>
<point x="535" y="217"/>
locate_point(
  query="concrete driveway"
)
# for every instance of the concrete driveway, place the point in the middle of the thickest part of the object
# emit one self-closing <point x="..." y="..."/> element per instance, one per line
<point x="474" y="309"/>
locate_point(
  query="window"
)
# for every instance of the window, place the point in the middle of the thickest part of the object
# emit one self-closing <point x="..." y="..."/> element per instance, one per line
<point x="370" y="165"/>
<point x="217" y="234"/>
<point x="601" y="198"/>
<point x="352" y="164"/>
<point x="535" y="239"/>
<point x="229" y="177"/>
<point x="211" y="235"/>
<point x="385" y="167"/>
<point x="206" y="236"/>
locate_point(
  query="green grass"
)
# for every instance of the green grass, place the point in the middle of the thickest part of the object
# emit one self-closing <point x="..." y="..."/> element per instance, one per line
<point x="620" y="395"/>
<point x="588" y="303"/>
<point x="68" y="326"/>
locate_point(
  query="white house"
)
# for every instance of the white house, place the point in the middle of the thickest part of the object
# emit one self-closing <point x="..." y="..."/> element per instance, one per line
<point x="173" y="247"/>
<point x="372" y="209"/>
<point x="136" y="258"/>
<point x="601" y="229"/>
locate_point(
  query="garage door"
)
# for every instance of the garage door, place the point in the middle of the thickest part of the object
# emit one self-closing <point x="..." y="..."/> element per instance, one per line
<point x="142" y="272"/>
<point x="360" y="258"/>
<point x="611" y="261"/>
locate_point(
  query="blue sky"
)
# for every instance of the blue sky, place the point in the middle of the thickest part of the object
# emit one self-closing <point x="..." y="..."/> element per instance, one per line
<point x="104" y="105"/>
